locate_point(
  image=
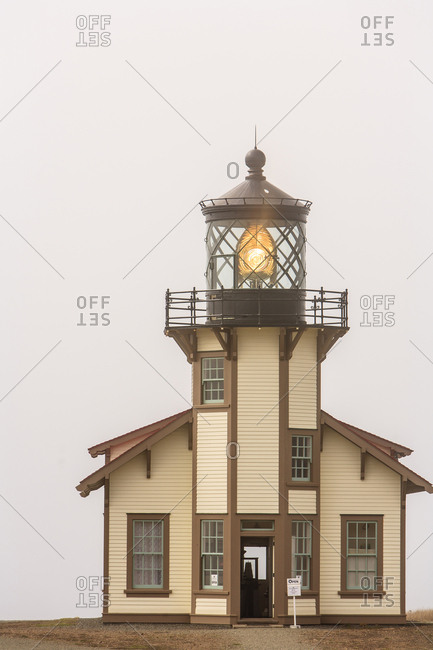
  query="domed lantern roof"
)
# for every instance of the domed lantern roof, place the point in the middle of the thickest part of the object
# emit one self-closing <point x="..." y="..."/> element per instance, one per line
<point x="256" y="197"/>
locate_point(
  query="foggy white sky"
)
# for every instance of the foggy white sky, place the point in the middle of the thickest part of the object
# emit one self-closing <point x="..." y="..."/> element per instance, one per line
<point x="96" y="168"/>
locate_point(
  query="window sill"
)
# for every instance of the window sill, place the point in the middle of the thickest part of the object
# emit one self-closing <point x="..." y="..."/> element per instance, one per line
<point x="139" y="593"/>
<point x="212" y="405"/>
<point x="302" y="484"/>
<point x="210" y="592"/>
<point x="361" y="593"/>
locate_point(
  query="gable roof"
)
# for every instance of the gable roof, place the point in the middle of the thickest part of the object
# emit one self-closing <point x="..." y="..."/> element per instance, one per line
<point x="415" y="482"/>
<point x="144" y="438"/>
<point x="153" y="433"/>
<point x="394" y="449"/>
<point x="147" y="430"/>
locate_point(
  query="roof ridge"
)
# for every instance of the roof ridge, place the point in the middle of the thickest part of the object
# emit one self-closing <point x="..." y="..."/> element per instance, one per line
<point x="360" y="431"/>
<point x="100" y="447"/>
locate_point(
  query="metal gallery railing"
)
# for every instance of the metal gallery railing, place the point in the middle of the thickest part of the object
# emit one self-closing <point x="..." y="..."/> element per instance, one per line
<point x="240" y="200"/>
<point x="219" y="307"/>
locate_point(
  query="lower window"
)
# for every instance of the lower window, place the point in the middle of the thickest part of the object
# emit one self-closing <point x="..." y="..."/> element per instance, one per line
<point x="147" y="556"/>
<point x="212" y="548"/>
<point x="301" y="551"/>
<point x="362" y="548"/>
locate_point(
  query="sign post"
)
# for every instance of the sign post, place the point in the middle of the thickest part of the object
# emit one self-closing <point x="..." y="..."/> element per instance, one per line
<point x="294" y="589"/>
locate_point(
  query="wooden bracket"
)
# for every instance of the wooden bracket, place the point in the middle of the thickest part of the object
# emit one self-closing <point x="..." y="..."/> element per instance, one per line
<point x="403" y="492"/>
<point x="187" y="341"/>
<point x="190" y="435"/>
<point x="293" y="342"/>
<point x="148" y="462"/>
<point x="288" y="342"/>
<point x="226" y="343"/>
<point x="106" y="492"/>
<point x="363" y="455"/>
<point x="327" y="339"/>
<point x="234" y="344"/>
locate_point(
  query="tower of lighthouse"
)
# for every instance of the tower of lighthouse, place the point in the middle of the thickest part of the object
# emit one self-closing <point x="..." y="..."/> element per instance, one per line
<point x="255" y="336"/>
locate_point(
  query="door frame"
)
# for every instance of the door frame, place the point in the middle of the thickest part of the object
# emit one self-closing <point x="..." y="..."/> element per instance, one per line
<point x="266" y="541"/>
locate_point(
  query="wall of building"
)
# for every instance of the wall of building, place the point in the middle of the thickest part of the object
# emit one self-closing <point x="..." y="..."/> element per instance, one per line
<point x="211" y="462"/>
<point x="167" y="491"/>
<point x="303" y="502"/>
<point x="207" y="341"/>
<point x="258" y="415"/>
<point x="303" y="382"/>
<point x="343" y="492"/>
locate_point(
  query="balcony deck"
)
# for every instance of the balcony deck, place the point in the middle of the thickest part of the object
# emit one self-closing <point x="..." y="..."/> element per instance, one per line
<point x="256" y="308"/>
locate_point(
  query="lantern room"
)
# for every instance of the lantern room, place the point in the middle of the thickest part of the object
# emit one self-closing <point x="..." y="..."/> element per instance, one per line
<point x="256" y="266"/>
<point x="255" y="234"/>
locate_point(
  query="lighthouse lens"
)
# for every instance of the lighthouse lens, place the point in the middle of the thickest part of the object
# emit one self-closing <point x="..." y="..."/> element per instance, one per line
<point x="256" y="257"/>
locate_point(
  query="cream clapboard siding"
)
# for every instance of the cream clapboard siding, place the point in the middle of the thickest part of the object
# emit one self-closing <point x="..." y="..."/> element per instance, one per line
<point x="258" y="415"/>
<point x="304" y="607"/>
<point x="212" y="462"/>
<point x="342" y="492"/>
<point x="207" y="341"/>
<point x="211" y="606"/>
<point x="303" y="382"/>
<point x="168" y="490"/>
<point x="303" y="502"/>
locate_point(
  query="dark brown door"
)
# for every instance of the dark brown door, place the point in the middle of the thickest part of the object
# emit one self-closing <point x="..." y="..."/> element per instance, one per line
<point x="256" y="577"/>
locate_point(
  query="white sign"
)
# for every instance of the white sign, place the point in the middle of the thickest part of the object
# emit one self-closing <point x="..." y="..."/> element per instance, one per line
<point x="214" y="580"/>
<point x="294" y="586"/>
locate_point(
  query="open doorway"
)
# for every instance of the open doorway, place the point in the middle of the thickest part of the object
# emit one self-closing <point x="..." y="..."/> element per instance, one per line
<point x="256" y="577"/>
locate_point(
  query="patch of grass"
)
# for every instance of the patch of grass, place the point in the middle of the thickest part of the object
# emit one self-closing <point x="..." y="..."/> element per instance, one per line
<point x="61" y="622"/>
<point x="421" y="616"/>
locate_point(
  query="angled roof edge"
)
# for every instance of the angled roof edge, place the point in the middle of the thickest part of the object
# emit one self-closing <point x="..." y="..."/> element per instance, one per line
<point x="97" y="479"/>
<point x="148" y="429"/>
<point x="417" y="482"/>
<point x="399" y="449"/>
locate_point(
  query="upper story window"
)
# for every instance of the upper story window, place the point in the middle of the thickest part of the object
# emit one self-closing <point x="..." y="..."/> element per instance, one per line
<point x="301" y="458"/>
<point x="212" y="379"/>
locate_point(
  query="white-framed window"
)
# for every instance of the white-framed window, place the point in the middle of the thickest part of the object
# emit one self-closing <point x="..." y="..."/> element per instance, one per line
<point x="301" y="551"/>
<point x="361" y="554"/>
<point x="302" y="456"/>
<point x="212" y="379"/>
<point x="212" y="548"/>
<point x="148" y="554"/>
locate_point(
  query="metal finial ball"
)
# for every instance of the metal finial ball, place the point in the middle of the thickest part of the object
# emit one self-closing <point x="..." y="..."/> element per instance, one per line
<point x="255" y="160"/>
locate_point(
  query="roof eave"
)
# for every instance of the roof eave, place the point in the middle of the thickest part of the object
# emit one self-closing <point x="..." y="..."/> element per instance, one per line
<point x="407" y="474"/>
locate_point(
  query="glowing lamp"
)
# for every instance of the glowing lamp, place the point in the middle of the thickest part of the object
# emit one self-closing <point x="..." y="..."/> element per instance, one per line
<point x="256" y="256"/>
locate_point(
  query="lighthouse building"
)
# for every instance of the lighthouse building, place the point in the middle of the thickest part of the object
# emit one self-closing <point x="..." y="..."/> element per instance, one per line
<point x="208" y="512"/>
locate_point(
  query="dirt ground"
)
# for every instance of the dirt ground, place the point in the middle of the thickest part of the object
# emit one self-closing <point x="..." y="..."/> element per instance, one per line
<point x="91" y="633"/>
